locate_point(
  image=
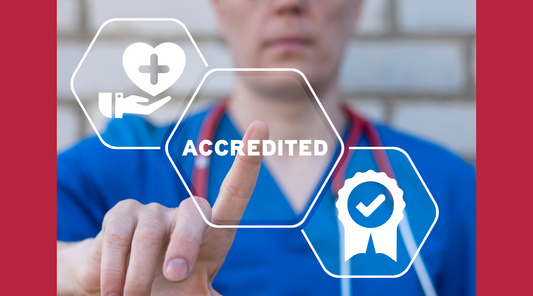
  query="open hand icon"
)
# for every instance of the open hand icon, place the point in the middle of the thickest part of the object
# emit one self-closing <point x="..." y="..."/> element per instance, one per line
<point x="130" y="105"/>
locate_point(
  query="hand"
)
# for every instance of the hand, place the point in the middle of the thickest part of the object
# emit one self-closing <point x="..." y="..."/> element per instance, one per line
<point x="154" y="250"/>
<point x="132" y="105"/>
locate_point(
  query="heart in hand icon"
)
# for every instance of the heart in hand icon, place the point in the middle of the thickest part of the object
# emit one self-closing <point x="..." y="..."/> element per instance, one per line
<point x="154" y="70"/>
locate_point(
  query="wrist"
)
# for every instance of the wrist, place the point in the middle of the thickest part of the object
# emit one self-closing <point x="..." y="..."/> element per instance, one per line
<point x="68" y="259"/>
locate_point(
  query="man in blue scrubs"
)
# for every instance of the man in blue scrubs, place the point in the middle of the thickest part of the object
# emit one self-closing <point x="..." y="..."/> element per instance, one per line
<point x="126" y="226"/>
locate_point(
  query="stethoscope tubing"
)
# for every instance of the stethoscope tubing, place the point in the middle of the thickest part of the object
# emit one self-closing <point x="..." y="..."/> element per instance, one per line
<point x="358" y="128"/>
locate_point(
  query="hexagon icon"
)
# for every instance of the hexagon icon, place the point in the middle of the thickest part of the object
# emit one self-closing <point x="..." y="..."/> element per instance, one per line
<point x="135" y="75"/>
<point x="380" y="221"/>
<point x="207" y="119"/>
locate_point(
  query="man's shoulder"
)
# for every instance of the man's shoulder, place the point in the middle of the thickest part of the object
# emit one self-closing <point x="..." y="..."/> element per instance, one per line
<point x="128" y="131"/>
<point x="133" y="130"/>
<point x="450" y="178"/>
<point x="424" y="152"/>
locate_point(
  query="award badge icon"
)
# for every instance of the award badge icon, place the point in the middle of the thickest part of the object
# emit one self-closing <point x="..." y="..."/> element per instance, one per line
<point x="153" y="70"/>
<point x="384" y="237"/>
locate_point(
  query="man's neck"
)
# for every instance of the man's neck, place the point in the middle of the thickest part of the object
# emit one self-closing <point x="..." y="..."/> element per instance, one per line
<point x="294" y="118"/>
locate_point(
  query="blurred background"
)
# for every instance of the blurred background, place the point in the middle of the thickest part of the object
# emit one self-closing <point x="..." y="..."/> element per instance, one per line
<point x="411" y="63"/>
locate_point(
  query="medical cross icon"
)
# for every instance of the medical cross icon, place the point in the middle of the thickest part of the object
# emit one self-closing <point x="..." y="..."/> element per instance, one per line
<point x="154" y="69"/>
<point x="140" y="59"/>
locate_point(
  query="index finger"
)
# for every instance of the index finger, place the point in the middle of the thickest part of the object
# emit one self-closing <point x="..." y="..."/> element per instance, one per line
<point x="239" y="184"/>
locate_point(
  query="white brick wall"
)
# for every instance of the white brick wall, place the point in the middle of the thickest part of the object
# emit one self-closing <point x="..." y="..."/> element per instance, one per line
<point x="69" y="54"/>
<point x="68" y="12"/>
<point x="457" y="16"/>
<point x="197" y="14"/>
<point x="371" y="108"/>
<point x="99" y="122"/>
<point x="411" y="63"/>
<point x="403" y="67"/>
<point x="373" y="18"/>
<point x="451" y="124"/>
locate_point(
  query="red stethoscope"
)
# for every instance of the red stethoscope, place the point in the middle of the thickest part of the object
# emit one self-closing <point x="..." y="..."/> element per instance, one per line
<point x="358" y="127"/>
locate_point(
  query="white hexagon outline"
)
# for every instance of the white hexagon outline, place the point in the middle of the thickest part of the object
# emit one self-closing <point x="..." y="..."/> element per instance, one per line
<point x="254" y="70"/>
<point x="87" y="52"/>
<point x="409" y="236"/>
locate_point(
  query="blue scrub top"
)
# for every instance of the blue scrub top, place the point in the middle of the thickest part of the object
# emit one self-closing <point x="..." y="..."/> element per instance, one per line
<point x="91" y="179"/>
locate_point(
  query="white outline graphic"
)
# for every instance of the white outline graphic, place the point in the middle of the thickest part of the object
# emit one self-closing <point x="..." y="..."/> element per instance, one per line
<point x="256" y="70"/>
<point x="404" y="229"/>
<point x="87" y="52"/>
<point x="357" y="237"/>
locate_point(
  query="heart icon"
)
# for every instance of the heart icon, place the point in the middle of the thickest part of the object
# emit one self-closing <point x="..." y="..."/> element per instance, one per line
<point x="153" y="69"/>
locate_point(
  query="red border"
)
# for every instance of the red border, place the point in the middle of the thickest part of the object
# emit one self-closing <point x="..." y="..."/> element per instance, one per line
<point x="505" y="106"/>
<point x="28" y="121"/>
<point x="505" y="121"/>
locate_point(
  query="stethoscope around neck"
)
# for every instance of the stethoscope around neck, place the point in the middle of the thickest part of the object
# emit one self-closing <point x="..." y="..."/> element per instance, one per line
<point x="358" y="127"/>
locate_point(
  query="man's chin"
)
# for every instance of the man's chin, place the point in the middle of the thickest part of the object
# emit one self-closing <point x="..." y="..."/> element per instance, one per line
<point x="309" y="68"/>
<point x="286" y="85"/>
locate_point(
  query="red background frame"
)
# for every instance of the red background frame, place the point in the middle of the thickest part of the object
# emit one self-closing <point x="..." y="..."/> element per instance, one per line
<point x="28" y="185"/>
<point x="504" y="137"/>
<point x="504" y="105"/>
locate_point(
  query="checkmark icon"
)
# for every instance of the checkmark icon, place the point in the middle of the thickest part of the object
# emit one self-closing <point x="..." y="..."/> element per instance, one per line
<point x="368" y="210"/>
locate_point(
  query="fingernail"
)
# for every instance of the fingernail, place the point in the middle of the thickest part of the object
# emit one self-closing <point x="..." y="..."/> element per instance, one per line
<point x="177" y="269"/>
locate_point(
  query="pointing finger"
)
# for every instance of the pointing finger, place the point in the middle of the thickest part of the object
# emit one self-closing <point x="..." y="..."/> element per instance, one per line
<point x="239" y="184"/>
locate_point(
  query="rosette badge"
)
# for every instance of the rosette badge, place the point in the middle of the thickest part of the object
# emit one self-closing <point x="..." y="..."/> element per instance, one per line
<point x="384" y="237"/>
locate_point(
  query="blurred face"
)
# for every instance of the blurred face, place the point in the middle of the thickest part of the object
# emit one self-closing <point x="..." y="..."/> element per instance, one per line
<point x="309" y="35"/>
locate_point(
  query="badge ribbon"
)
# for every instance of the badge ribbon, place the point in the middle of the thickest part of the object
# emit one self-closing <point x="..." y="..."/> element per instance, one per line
<point x="356" y="237"/>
